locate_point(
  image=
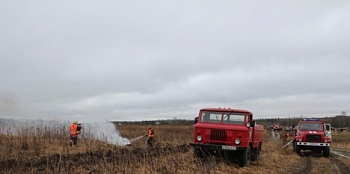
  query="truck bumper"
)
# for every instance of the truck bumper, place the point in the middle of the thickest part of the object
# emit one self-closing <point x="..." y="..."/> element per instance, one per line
<point x="313" y="144"/>
<point x="216" y="147"/>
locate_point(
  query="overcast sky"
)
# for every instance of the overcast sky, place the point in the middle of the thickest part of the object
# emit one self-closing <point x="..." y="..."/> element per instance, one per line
<point x="147" y="60"/>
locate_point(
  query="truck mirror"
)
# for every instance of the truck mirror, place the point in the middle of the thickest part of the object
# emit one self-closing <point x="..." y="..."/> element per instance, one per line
<point x="252" y="124"/>
<point x="195" y="120"/>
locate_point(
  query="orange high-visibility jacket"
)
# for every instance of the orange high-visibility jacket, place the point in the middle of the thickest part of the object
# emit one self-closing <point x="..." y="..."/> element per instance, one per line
<point x="73" y="130"/>
<point x="150" y="133"/>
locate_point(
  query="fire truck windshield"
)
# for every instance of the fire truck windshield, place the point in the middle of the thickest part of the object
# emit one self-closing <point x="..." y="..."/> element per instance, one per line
<point x="225" y="117"/>
<point x="311" y="126"/>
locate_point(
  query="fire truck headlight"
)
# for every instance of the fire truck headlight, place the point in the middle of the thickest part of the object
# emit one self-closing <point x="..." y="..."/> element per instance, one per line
<point x="199" y="138"/>
<point x="237" y="141"/>
<point x="300" y="139"/>
<point x="248" y="124"/>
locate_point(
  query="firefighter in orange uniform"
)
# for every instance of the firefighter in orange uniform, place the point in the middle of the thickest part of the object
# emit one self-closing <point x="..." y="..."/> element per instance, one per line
<point x="74" y="131"/>
<point x="150" y="135"/>
<point x="285" y="137"/>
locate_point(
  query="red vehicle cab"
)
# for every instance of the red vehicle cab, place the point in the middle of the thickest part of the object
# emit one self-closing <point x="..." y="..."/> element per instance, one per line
<point x="276" y="127"/>
<point x="229" y="133"/>
<point x="311" y="134"/>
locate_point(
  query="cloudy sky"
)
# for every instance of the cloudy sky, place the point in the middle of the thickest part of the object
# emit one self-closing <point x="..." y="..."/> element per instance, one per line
<point x="146" y="60"/>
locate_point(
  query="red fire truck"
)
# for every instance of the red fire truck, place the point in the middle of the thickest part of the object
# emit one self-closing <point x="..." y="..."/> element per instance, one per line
<point x="311" y="134"/>
<point x="276" y="127"/>
<point x="229" y="133"/>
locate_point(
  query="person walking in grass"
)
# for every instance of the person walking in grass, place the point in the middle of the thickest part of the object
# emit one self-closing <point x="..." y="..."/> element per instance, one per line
<point x="285" y="137"/>
<point x="150" y="137"/>
<point x="74" y="131"/>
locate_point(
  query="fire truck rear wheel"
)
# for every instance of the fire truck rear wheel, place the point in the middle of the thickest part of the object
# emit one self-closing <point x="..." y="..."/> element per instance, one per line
<point x="326" y="152"/>
<point x="245" y="157"/>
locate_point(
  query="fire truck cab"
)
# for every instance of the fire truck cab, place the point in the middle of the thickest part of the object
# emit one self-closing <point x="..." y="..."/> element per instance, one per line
<point x="276" y="127"/>
<point x="311" y="134"/>
<point x="228" y="133"/>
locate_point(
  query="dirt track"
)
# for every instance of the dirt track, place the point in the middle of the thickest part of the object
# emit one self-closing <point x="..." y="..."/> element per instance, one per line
<point x="311" y="162"/>
<point x="340" y="152"/>
<point x="304" y="166"/>
<point x="336" y="159"/>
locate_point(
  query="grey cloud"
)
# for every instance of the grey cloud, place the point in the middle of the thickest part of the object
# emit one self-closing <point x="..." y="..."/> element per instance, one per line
<point x="109" y="59"/>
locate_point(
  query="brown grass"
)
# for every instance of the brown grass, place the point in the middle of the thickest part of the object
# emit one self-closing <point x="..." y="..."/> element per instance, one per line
<point x="47" y="151"/>
<point x="341" y="140"/>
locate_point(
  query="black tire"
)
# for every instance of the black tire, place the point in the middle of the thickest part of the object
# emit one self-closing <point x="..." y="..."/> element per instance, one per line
<point x="256" y="153"/>
<point x="294" y="144"/>
<point x="246" y="157"/>
<point x="199" y="153"/>
<point x="296" y="148"/>
<point x="326" y="152"/>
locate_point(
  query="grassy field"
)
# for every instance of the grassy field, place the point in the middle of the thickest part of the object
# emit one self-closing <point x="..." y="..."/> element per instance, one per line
<point x="48" y="151"/>
<point x="341" y="140"/>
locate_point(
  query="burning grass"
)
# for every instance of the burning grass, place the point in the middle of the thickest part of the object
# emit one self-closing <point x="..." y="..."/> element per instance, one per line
<point x="47" y="151"/>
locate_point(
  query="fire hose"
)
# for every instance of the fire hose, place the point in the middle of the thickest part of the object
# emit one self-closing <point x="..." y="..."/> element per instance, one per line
<point x="287" y="143"/>
<point x="137" y="138"/>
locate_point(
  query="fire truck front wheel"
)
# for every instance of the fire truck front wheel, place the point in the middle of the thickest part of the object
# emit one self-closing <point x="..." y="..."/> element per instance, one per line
<point x="296" y="148"/>
<point x="256" y="152"/>
<point x="245" y="157"/>
<point x="199" y="153"/>
<point x="326" y="152"/>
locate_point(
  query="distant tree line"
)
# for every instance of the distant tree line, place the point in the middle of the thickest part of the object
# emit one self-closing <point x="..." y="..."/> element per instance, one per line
<point x="337" y="121"/>
<point x="156" y="122"/>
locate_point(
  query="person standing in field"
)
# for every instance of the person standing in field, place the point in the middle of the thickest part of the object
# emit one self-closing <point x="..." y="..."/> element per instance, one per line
<point x="285" y="137"/>
<point x="150" y="135"/>
<point x="74" y="131"/>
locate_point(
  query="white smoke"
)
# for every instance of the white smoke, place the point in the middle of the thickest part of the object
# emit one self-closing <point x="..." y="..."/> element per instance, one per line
<point x="36" y="127"/>
<point x="104" y="131"/>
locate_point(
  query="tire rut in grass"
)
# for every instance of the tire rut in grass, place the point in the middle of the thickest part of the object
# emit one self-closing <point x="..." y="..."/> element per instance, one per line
<point x="304" y="166"/>
<point x="339" y="164"/>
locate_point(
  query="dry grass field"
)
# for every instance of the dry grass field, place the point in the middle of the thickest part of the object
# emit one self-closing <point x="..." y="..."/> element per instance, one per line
<point x="341" y="140"/>
<point x="47" y="151"/>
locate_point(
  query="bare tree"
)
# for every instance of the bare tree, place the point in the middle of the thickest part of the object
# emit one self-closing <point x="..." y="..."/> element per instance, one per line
<point x="343" y="113"/>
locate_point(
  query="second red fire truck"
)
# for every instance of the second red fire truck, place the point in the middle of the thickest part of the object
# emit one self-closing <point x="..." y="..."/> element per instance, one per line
<point x="311" y="134"/>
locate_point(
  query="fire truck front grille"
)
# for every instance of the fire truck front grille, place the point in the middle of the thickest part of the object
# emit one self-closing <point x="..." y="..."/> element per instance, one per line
<point x="218" y="135"/>
<point x="313" y="138"/>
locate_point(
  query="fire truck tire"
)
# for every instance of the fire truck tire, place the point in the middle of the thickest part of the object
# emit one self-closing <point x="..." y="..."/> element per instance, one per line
<point x="246" y="157"/>
<point x="296" y="148"/>
<point x="198" y="153"/>
<point x="256" y="152"/>
<point x="326" y="152"/>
